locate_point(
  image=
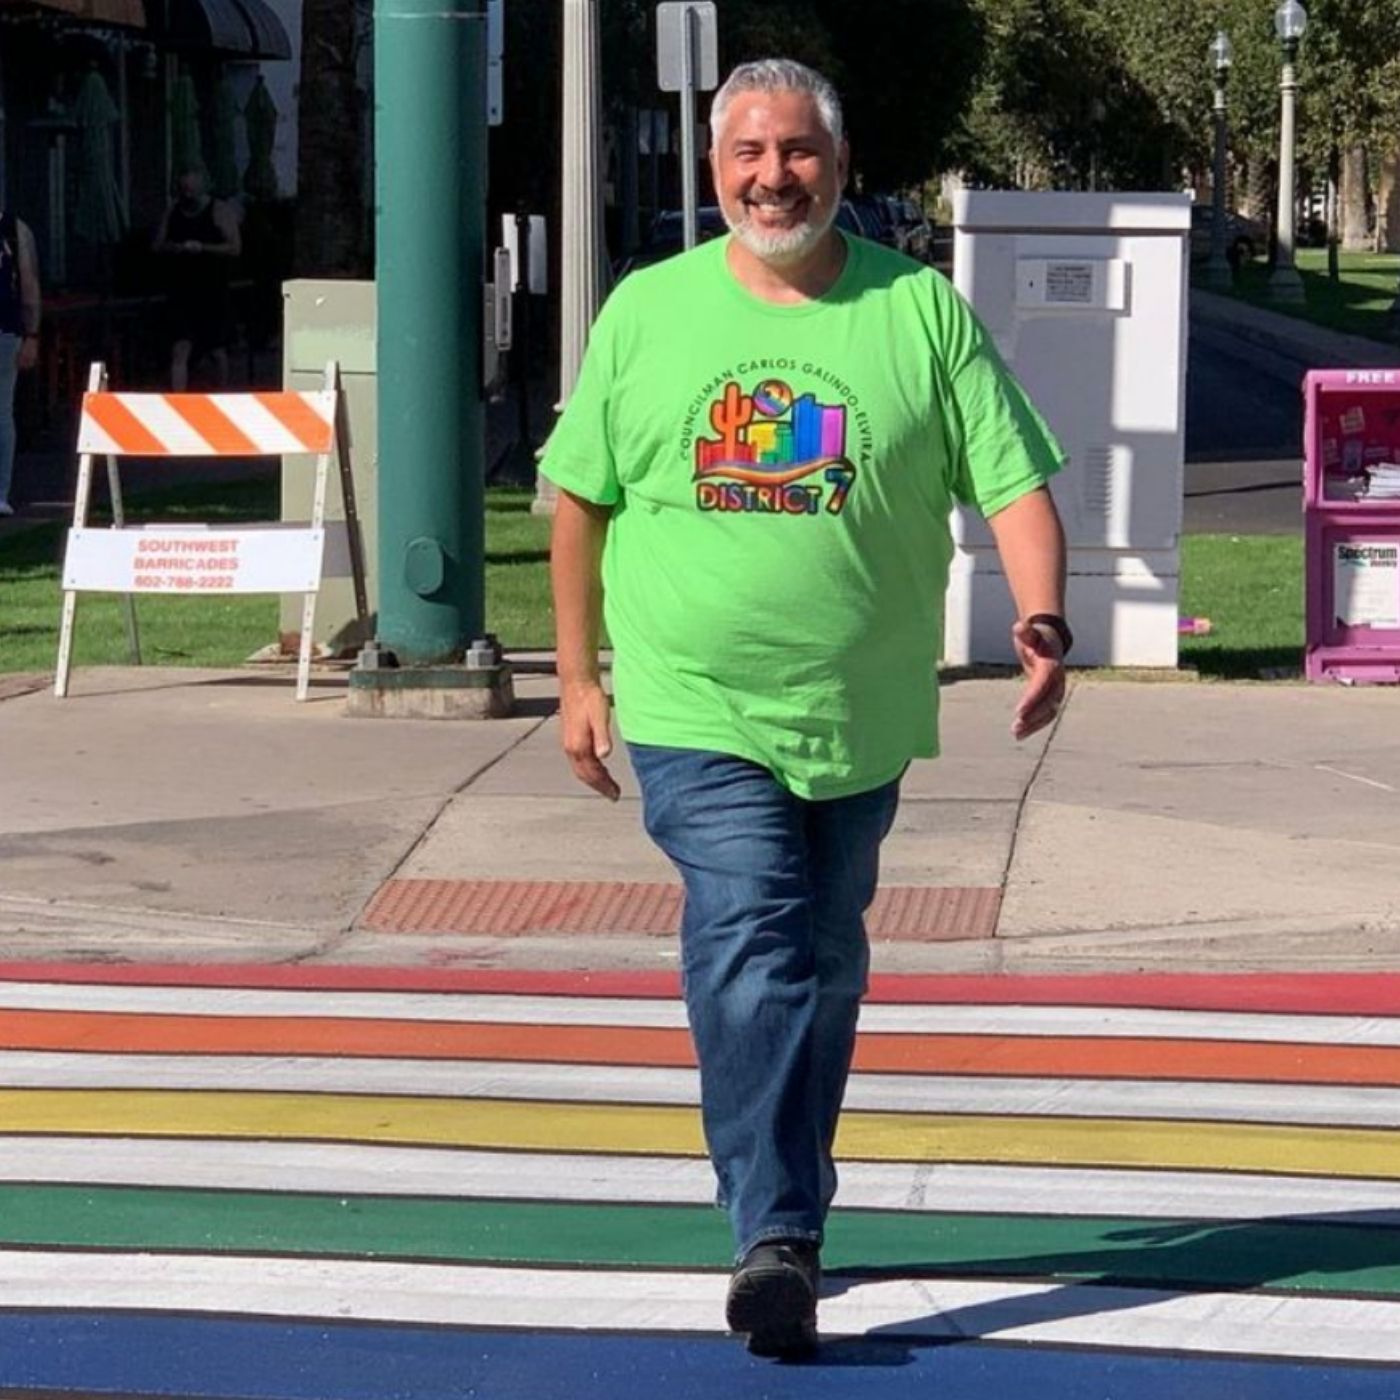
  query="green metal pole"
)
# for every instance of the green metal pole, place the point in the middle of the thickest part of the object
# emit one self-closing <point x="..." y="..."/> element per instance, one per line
<point x="430" y="162"/>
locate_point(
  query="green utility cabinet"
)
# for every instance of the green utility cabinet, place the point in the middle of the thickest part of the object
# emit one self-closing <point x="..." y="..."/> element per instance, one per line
<point x="322" y="321"/>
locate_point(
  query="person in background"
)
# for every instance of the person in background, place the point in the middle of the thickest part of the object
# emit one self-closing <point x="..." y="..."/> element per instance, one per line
<point x="198" y="242"/>
<point x="19" y="333"/>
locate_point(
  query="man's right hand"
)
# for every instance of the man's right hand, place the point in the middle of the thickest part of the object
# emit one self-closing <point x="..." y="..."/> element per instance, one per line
<point x="585" y="724"/>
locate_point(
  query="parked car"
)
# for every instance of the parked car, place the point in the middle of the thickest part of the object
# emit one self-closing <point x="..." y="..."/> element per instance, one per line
<point x="913" y="230"/>
<point x="876" y="217"/>
<point x="1244" y="238"/>
<point x="666" y="237"/>
<point x="849" y="219"/>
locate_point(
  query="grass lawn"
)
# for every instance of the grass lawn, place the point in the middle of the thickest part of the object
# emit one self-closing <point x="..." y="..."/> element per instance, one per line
<point x="518" y="607"/>
<point x="1357" y="303"/>
<point x="226" y="631"/>
<point x="1251" y="588"/>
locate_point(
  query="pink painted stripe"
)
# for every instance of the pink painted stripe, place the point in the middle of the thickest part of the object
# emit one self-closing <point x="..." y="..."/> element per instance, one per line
<point x="1359" y="994"/>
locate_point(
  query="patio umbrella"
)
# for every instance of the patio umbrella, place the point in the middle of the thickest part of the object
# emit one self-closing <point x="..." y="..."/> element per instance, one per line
<point x="98" y="216"/>
<point x="260" y="117"/>
<point x="186" y="151"/>
<point x="223" y="163"/>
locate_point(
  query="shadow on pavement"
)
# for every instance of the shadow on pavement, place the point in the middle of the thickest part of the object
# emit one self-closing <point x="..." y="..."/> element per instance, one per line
<point x="1359" y="1253"/>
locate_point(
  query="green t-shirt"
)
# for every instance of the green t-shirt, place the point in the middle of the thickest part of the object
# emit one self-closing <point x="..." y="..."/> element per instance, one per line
<point x="782" y="479"/>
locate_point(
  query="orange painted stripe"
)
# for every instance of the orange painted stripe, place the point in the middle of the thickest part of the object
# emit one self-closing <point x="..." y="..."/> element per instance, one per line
<point x="299" y="418"/>
<point x="1068" y="1057"/>
<point x="123" y="426"/>
<point x="1042" y="1057"/>
<point x="213" y="425"/>
<point x="136" y="1033"/>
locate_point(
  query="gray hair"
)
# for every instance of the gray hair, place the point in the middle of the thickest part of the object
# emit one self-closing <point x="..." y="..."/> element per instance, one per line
<point x="777" y="75"/>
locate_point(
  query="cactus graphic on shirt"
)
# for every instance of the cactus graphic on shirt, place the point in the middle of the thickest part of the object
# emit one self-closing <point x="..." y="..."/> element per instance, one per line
<point x="730" y="416"/>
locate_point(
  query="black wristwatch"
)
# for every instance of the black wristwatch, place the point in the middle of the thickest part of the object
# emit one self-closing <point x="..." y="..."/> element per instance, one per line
<point x="1057" y="625"/>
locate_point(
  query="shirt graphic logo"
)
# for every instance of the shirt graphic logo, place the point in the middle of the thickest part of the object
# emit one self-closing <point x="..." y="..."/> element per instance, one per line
<point x="776" y="453"/>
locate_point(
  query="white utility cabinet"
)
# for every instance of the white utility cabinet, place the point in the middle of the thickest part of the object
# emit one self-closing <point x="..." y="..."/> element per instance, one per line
<point x="1085" y="296"/>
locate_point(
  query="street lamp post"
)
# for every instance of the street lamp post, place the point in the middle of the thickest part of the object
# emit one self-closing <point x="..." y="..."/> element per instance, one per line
<point x="1290" y="20"/>
<point x="1218" y="273"/>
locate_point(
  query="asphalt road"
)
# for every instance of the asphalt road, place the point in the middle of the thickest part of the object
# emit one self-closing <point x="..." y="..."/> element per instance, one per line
<point x="1244" y="432"/>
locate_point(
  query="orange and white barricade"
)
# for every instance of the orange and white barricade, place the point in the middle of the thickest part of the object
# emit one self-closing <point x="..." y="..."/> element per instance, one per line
<point x="199" y="560"/>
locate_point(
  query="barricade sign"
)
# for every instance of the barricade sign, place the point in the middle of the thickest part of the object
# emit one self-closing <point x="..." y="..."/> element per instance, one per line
<point x="1351" y="504"/>
<point x="195" y="560"/>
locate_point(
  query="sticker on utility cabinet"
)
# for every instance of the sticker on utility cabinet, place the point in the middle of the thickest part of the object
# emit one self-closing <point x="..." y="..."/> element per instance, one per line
<point x="1072" y="284"/>
<point x="1366" y="584"/>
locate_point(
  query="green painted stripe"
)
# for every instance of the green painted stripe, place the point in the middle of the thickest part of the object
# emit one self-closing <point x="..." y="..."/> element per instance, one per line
<point x="1326" y="1258"/>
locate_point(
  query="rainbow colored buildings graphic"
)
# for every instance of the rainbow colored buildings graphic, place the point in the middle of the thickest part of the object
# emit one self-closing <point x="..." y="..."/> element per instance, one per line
<point x="769" y="430"/>
<point x="776" y="453"/>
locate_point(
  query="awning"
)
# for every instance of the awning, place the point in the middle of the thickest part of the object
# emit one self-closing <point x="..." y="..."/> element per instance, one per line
<point x="238" y="28"/>
<point x="269" y="37"/>
<point x="126" y="14"/>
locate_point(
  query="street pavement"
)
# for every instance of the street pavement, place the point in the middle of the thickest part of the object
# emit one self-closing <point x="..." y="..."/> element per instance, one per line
<point x="1244" y="434"/>
<point x="343" y="1057"/>
<point x="318" y="1183"/>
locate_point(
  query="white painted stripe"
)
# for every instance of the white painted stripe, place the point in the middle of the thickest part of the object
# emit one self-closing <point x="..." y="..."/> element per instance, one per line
<point x="1354" y="777"/>
<point x="163" y="423"/>
<point x="256" y="423"/>
<point x="1223" y="1102"/>
<point x="341" y="1169"/>
<point x="1072" y="1315"/>
<point x="1090" y="1021"/>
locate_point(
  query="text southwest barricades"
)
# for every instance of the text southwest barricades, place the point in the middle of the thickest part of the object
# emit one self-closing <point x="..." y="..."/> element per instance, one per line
<point x="201" y="559"/>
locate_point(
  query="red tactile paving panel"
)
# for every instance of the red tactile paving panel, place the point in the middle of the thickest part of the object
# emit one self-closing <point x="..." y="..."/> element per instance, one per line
<point x="508" y="908"/>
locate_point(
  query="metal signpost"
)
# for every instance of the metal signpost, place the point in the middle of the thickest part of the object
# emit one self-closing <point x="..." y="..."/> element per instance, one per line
<point x="687" y="62"/>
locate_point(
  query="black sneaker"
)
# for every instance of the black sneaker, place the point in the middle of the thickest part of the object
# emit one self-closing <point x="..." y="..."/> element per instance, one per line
<point x="773" y="1298"/>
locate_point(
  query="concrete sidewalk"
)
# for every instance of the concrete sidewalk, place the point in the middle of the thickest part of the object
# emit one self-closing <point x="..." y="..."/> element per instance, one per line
<point x="161" y="814"/>
<point x="205" y="816"/>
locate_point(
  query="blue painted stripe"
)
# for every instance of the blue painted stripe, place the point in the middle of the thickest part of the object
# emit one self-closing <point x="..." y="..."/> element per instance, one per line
<point x="245" y="1359"/>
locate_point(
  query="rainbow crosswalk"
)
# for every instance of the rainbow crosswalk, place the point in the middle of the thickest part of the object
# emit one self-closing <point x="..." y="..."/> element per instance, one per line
<point x="336" y="1182"/>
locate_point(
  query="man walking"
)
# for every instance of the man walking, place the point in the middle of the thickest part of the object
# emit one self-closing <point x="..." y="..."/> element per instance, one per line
<point x="756" y="471"/>
<point x="19" y="332"/>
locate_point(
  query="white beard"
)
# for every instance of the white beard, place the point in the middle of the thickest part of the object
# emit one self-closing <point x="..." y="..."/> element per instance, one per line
<point x="783" y="246"/>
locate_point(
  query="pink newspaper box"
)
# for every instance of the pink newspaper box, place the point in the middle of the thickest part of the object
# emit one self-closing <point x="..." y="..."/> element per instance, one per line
<point x="1351" y="524"/>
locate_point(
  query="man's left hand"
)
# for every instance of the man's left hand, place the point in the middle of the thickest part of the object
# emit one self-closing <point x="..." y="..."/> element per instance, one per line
<point x="1042" y="659"/>
<point x="28" y="353"/>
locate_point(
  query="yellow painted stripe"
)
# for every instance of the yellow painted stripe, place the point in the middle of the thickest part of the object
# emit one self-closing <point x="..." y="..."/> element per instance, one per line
<point x="355" y="1118"/>
<point x="675" y="1131"/>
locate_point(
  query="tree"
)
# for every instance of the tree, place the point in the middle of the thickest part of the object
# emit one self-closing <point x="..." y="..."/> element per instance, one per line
<point x="332" y="236"/>
<point x="901" y="109"/>
<point x="1058" y="102"/>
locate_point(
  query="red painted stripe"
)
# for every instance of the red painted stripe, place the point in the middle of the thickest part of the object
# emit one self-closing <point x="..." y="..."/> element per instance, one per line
<point x="1342" y="993"/>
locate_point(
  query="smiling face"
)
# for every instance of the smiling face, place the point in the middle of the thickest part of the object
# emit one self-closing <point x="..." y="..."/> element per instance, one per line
<point x="778" y="174"/>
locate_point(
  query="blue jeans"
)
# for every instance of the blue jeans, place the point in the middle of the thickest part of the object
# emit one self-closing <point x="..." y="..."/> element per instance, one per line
<point x="774" y="961"/>
<point x="9" y="370"/>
